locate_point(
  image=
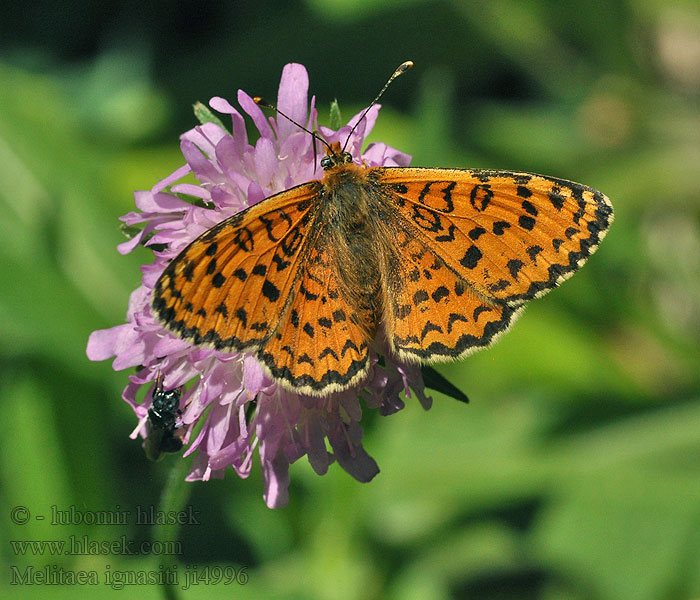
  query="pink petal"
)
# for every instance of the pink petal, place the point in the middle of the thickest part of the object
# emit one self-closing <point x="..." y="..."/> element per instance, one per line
<point x="222" y="105"/>
<point x="174" y="176"/>
<point x="255" y="113"/>
<point x="292" y="99"/>
<point x="105" y="343"/>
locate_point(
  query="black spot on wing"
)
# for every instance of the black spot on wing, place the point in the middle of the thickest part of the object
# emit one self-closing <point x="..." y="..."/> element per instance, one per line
<point x="498" y="287"/>
<point x="471" y="257"/>
<point x="514" y="265"/>
<point x="349" y="345"/>
<point x="270" y="291"/>
<point x="532" y="252"/>
<point x="305" y="358"/>
<point x="420" y="296"/>
<point x="476" y="233"/>
<point x="526" y="222"/>
<point x="556" y="198"/>
<point x="449" y="236"/>
<point x="429" y="326"/>
<point x="440" y="293"/>
<point x="529" y="208"/>
<point x="188" y="271"/>
<point x="218" y="280"/>
<point x="523" y="191"/>
<point x="480" y="309"/>
<point x="328" y="352"/>
<point x="454" y="317"/>
<point x="260" y="326"/>
<point x="499" y="227"/>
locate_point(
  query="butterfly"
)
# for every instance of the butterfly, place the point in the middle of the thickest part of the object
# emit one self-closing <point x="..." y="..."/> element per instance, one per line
<point x="433" y="263"/>
<point x="163" y="422"/>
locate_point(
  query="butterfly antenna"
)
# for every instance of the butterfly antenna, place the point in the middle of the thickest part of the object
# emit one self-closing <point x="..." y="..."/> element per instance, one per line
<point x="403" y="67"/>
<point x="262" y="102"/>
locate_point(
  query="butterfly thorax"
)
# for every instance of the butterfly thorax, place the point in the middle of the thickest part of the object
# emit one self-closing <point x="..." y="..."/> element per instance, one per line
<point x="354" y="233"/>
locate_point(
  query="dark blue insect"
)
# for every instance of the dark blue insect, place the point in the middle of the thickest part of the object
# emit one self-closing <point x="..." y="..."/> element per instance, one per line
<point x="163" y="422"/>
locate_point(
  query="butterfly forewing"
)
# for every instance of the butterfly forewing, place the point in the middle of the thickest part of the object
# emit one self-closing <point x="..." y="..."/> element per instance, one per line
<point x="229" y="288"/>
<point x="511" y="236"/>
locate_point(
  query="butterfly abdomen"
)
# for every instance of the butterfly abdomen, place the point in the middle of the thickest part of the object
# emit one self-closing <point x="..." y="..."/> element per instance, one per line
<point x="356" y="242"/>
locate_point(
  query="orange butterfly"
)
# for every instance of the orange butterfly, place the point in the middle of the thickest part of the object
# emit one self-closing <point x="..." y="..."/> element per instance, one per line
<point x="437" y="261"/>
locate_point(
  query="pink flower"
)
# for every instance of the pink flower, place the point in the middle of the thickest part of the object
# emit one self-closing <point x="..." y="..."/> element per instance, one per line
<point x="241" y="406"/>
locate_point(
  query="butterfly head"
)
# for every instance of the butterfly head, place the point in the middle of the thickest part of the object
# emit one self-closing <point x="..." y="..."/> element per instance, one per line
<point x="335" y="156"/>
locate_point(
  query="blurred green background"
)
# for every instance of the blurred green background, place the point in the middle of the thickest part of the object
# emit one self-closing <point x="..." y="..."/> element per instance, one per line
<point x="575" y="471"/>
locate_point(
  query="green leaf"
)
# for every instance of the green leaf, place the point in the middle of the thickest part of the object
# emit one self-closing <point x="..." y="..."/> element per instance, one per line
<point x="437" y="382"/>
<point x="129" y="231"/>
<point x="205" y="115"/>
<point x="336" y="121"/>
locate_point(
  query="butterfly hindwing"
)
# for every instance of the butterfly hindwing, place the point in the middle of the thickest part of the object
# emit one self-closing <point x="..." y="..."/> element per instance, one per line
<point x="433" y="314"/>
<point x="512" y="236"/>
<point x="319" y="346"/>
<point x="228" y="289"/>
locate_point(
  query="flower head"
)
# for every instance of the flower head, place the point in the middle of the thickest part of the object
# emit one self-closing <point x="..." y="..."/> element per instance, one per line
<point x="241" y="406"/>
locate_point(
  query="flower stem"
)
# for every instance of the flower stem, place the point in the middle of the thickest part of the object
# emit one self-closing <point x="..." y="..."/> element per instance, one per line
<point x="173" y="499"/>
